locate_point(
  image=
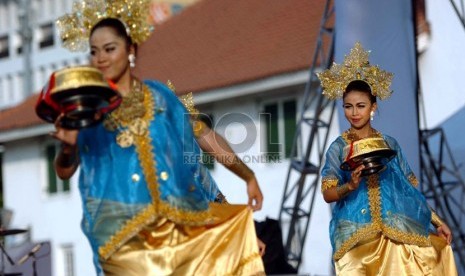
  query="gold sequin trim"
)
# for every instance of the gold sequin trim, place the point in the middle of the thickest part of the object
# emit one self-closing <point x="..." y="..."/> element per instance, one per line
<point x="403" y="237"/>
<point x="131" y="228"/>
<point x="135" y="224"/>
<point x="349" y="136"/>
<point x="377" y="226"/>
<point x="435" y="219"/>
<point x="144" y="149"/>
<point x="131" y="117"/>
<point x="367" y="232"/>
<point x="187" y="100"/>
<point x="374" y="198"/>
<point x="328" y="182"/>
<point x="170" y="85"/>
<point x="413" y="180"/>
<point x="183" y="216"/>
<point x="374" y="228"/>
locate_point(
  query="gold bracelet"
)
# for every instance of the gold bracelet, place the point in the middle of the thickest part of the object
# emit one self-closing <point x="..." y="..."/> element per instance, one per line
<point x="435" y="219"/>
<point x="343" y="190"/>
<point x="198" y="126"/>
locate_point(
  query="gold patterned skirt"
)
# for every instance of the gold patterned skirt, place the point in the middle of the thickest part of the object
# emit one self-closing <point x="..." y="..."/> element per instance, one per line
<point x="228" y="247"/>
<point x="382" y="256"/>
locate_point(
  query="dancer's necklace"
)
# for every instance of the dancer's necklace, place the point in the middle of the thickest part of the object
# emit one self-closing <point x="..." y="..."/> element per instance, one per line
<point x="128" y="118"/>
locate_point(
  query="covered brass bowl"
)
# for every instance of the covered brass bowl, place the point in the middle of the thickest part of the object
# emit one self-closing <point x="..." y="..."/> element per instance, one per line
<point x="373" y="153"/>
<point x="81" y="93"/>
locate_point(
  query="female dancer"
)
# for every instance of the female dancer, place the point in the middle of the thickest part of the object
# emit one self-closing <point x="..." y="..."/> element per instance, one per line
<point x="380" y="223"/>
<point x="146" y="210"/>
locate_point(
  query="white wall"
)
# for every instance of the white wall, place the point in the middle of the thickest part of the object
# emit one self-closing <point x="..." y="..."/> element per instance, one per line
<point x="442" y="65"/>
<point x="53" y="218"/>
<point x="272" y="179"/>
<point x="50" y="218"/>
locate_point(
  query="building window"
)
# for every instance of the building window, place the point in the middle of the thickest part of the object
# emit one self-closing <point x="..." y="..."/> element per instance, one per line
<point x="55" y="184"/>
<point x="19" y="44"/>
<point x="68" y="258"/>
<point x="10" y="88"/>
<point x="4" y="49"/>
<point x="46" y="36"/>
<point x="280" y="122"/>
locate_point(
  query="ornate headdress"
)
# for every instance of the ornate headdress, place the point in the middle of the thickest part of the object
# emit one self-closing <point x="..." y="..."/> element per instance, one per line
<point x="356" y="66"/>
<point x="75" y="27"/>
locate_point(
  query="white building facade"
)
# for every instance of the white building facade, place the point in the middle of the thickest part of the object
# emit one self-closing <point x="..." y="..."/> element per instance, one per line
<point x="46" y="53"/>
<point x="47" y="207"/>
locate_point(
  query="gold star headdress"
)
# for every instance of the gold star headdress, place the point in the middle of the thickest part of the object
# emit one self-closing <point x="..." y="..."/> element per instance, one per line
<point x="356" y="66"/>
<point x="75" y="27"/>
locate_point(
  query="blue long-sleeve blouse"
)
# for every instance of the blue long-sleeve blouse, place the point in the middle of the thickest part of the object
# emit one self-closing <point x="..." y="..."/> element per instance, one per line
<point x="125" y="188"/>
<point x="385" y="203"/>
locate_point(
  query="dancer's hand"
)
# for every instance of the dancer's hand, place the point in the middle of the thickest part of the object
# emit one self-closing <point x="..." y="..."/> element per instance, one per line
<point x="67" y="136"/>
<point x="356" y="178"/>
<point x="255" y="194"/>
<point x="261" y="247"/>
<point x="445" y="233"/>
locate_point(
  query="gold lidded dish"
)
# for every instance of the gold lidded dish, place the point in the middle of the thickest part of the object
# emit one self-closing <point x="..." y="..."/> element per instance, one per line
<point x="373" y="153"/>
<point x="81" y="93"/>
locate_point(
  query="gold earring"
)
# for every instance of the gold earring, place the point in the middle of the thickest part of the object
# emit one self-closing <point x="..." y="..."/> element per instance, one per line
<point x="372" y="114"/>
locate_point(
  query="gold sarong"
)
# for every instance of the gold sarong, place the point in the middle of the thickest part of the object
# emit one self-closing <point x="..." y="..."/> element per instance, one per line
<point x="382" y="256"/>
<point x="227" y="247"/>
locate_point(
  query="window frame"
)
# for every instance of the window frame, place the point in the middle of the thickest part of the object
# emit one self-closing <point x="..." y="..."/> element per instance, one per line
<point x="283" y="153"/>
<point x="47" y="40"/>
<point x="69" y="259"/>
<point x="62" y="187"/>
<point x="5" y="51"/>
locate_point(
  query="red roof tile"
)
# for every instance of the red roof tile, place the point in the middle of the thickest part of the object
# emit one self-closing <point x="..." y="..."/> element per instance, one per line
<point x="20" y="116"/>
<point x="217" y="43"/>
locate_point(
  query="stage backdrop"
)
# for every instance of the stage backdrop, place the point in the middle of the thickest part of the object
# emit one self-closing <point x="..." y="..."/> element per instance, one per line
<point x="387" y="29"/>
